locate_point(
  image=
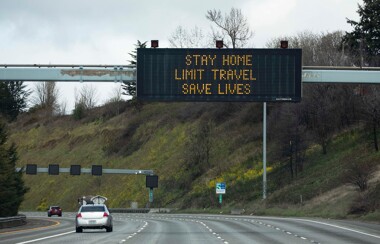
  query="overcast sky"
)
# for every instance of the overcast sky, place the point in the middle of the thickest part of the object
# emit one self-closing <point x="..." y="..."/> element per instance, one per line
<point x="105" y="31"/>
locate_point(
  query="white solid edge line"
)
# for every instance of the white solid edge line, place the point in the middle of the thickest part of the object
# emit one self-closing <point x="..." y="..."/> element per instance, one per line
<point x="322" y="223"/>
<point x="340" y="227"/>
<point x="44" y="238"/>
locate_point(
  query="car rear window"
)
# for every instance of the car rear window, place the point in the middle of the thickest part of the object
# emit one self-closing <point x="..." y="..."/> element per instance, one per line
<point x="92" y="209"/>
<point x="55" y="207"/>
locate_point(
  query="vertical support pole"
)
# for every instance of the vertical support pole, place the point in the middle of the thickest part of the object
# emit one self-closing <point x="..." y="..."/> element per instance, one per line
<point x="120" y="74"/>
<point x="81" y="74"/>
<point x="116" y="73"/>
<point x="150" y="195"/>
<point x="220" y="198"/>
<point x="264" y="150"/>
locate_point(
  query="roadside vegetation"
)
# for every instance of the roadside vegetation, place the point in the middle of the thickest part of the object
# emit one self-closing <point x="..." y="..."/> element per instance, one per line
<point x="191" y="146"/>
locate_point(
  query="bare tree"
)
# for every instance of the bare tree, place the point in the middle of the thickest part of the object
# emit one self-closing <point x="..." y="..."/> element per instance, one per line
<point x="306" y="40"/>
<point x="84" y="100"/>
<point x="116" y="94"/>
<point x="113" y="104"/>
<point x="46" y="97"/>
<point x="321" y="113"/>
<point x="317" y="49"/>
<point x="181" y="38"/>
<point x="233" y="25"/>
<point x="87" y="96"/>
<point x="330" y="50"/>
<point x="328" y="107"/>
<point x="370" y="103"/>
<point x="288" y="129"/>
<point x="62" y="109"/>
<point x="359" y="173"/>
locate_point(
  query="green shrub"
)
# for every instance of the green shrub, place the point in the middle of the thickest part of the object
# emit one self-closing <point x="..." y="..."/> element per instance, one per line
<point x="43" y="205"/>
<point x="79" y="111"/>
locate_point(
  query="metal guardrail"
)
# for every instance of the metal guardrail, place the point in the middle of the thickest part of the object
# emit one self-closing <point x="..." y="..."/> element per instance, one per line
<point x="129" y="210"/>
<point x="8" y="222"/>
<point x="140" y="210"/>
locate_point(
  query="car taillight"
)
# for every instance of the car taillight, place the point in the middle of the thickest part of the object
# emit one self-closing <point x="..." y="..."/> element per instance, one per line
<point x="79" y="215"/>
<point x="105" y="214"/>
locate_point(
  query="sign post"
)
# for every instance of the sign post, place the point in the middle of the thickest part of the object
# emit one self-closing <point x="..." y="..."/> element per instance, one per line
<point x="150" y="195"/>
<point x="264" y="150"/>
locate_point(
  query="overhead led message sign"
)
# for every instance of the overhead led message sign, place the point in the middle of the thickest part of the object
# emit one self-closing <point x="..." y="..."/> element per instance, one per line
<point x="260" y="75"/>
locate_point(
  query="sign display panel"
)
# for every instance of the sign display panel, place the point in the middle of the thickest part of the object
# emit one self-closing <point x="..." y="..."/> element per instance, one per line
<point x="75" y="169"/>
<point x="260" y="75"/>
<point x="97" y="170"/>
<point x="151" y="181"/>
<point x="53" y="169"/>
<point x="31" y="169"/>
<point x="220" y="188"/>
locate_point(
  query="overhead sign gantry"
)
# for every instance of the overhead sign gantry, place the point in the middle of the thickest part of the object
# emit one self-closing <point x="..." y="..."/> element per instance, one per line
<point x="67" y="72"/>
<point x="126" y="73"/>
<point x="259" y="75"/>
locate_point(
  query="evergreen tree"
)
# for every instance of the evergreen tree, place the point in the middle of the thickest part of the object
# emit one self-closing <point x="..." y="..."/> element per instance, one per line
<point x="12" y="187"/>
<point x="364" y="40"/>
<point x="13" y="97"/>
<point x="129" y="87"/>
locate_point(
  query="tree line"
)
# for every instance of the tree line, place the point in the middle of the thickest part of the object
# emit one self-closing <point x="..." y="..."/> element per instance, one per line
<point x="325" y="110"/>
<point x="12" y="187"/>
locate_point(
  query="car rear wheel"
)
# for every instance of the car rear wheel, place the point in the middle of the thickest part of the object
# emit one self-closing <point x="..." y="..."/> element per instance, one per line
<point x="109" y="229"/>
<point x="78" y="230"/>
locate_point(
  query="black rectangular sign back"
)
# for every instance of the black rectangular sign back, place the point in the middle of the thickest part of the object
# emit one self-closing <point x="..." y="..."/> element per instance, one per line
<point x="151" y="181"/>
<point x="259" y="75"/>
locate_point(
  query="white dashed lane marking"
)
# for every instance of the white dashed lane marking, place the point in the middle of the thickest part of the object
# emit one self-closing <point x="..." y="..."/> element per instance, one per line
<point x="138" y="231"/>
<point x="211" y="230"/>
<point x="134" y="218"/>
<point x="279" y="229"/>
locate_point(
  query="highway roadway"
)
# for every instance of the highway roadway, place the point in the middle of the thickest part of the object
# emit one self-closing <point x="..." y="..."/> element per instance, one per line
<point x="190" y="228"/>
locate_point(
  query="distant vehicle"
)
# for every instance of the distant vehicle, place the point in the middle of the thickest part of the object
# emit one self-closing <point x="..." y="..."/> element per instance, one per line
<point x="92" y="200"/>
<point x="54" y="210"/>
<point x="95" y="216"/>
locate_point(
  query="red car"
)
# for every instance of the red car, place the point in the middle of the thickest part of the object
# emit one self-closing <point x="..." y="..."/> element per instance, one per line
<point x="54" y="210"/>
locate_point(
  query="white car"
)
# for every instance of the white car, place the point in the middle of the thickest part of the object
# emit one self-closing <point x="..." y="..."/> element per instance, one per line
<point x="93" y="216"/>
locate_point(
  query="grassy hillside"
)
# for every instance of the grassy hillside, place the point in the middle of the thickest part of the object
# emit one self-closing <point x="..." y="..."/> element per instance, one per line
<point x="171" y="139"/>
